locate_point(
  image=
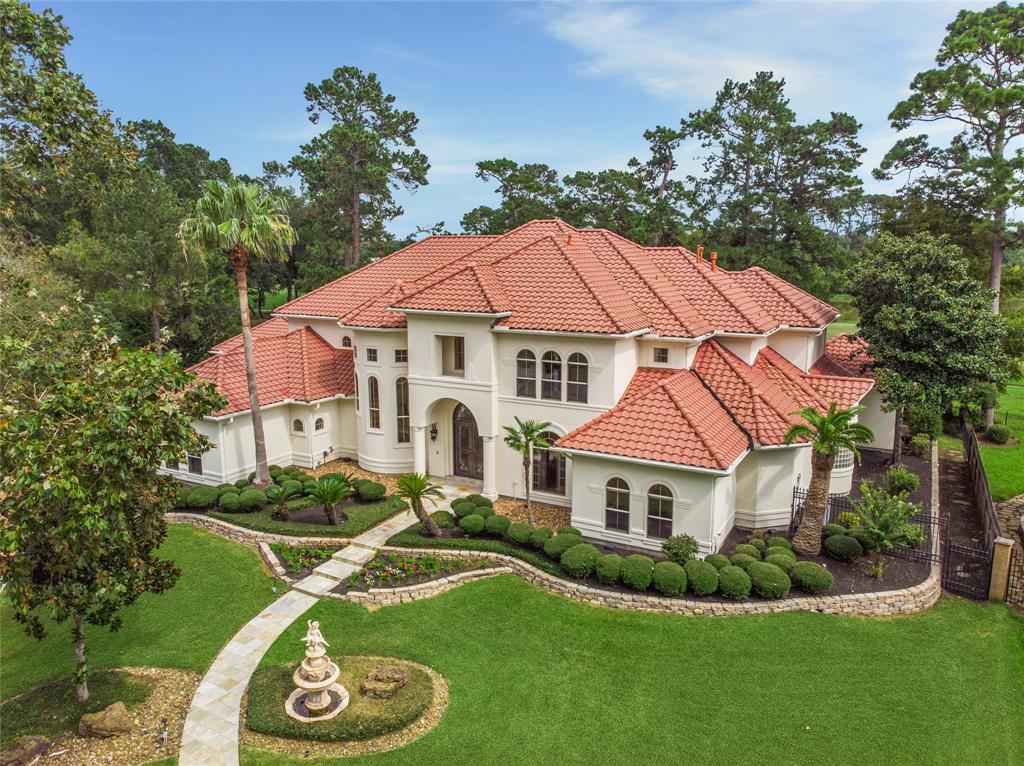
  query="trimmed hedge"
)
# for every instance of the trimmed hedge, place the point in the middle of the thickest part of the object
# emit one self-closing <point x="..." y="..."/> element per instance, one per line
<point x="997" y="433"/>
<point x="443" y="519"/>
<point x="843" y="547"/>
<point x="228" y="502"/>
<point x="758" y="543"/>
<point x="540" y="536"/>
<point x="226" y="489"/>
<point x="778" y="550"/>
<point x="833" y="529"/>
<point x="497" y="525"/>
<point x="862" y="536"/>
<point x="717" y="560"/>
<point x="243" y="484"/>
<point x="742" y="560"/>
<point x="811" y="577"/>
<point x="568" y="531"/>
<point x="733" y="583"/>
<point x="559" y="544"/>
<point x="371" y="490"/>
<point x="901" y="479"/>
<point x="780" y="542"/>
<point x="768" y="580"/>
<point x="480" y="500"/>
<point x="701" y="576"/>
<point x="462" y="507"/>
<point x="294" y="486"/>
<point x="920" y="445"/>
<point x="747" y="550"/>
<point x="202" y="497"/>
<point x="785" y="563"/>
<point x="473" y="524"/>
<point x="637" y="571"/>
<point x="669" y="578"/>
<point x="484" y="510"/>
<point x="251" y="500"/>
<point x="520" y="533"/>
<point x="609" y="568"/>
<point x="579" y="561"/>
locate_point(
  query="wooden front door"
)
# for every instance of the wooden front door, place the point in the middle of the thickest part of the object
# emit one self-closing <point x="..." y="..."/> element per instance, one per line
<point x="468" y="457"/>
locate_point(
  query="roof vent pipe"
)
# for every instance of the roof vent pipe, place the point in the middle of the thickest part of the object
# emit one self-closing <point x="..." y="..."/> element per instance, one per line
<point x="700" y="253"/>
<point x="714" y="261"/>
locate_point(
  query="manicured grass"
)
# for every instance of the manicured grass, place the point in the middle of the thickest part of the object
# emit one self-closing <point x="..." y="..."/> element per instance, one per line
<point x="535" y="678"/>
<point x="222" y="586"/>
<point x="1005" y="465"/>
<point x="1013" y="399"/>
<point x="360" y="518"/>
<point x="840" y="328"/>
<point x="413" y="537"/>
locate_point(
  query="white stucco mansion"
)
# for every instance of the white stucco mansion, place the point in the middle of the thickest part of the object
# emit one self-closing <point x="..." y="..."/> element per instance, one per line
<point x="668" y="382"/>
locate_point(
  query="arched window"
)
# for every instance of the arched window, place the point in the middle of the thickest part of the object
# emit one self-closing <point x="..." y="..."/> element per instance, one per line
<point x="549" y="467"/>
<point x="318" y="424"/>
<point x="402" y="409"/>
<point x="576" y="390"/>
<point x="551" y="376"/>
<point x="526" y="374"/>
<point x="616" y="505"/>
<point x="346" y="342"/>
<point x="297" y="426"/>
<point x="374" y="405"/>
<point x="659" y="512"/>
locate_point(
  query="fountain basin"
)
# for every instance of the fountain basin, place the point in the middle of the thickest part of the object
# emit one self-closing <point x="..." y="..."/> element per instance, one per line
<point x="298" y="708"/>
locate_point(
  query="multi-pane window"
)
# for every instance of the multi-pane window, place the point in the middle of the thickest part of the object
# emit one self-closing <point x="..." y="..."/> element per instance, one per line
<point x="660" y="355"/>
<point x="551" y="376"/>
<point x="318" y="424"/>
<point x="297" y="426"/>
<point x="195" y="465"/>
<point x="526" y="374"/>
<point x="374" y="402"/>
<point x="616" y="505"/>
<point x="401" y="355"/>
<point x="346" y="342"/>
<point x="576" y="389"/>
<point x="371" y="355"/>
<point x="659" y="512"/>
<point x="402" y="408"/>
<point x="548" y="467"/>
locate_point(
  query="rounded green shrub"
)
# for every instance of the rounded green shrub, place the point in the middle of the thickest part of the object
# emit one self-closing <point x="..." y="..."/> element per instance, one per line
<point x="559" y="544"/>
<point x="680" y="548"/>
<point x="717" y="560"/>
<point x="370" y="491"/>
<point x="580" y="560"/>
<point x="669" y="578"/>
<point x="733" y="583"/>
<point x="922" y="419"/>
<point x="638" y="571"/>
<point x="473" y="524"/>
<point x="273" y="468"/>
<point x="243" y="484"/>
<point x="862" y="536"/>
<point x="900" y="479"/>
<point x="702" y="577"/>
<point x="780" y="542"/>
<point x="229" y="502"/>
<point x="920" y="445"/>
<point x="568" y="531"/>
<point x="443" y="519"/>
<point x="778" y="550"/>
<point x="463" y="507"/>
<point x="497" y="525"/>
<point x="811" y="577"/>
<point x="480" y="500"/>
<point x="759" y="543"/>
<point x="484" y="510"/>
<point x="520" y="533"/>
<point x="223" y="489"/>
<point x="785" y="563"/>
<point x="251" y="499"/>
<point x="843" y="547"/>
<point x="609" y="568"/>
<point x="202" y="497"/>
<point x="181" y="493"/>
<point x="833" y="529"/>
<point x="768" y="580"/>
<point x="747" y="550"/>
<point x="540" y="536"/>
<point x="291" y="484"/>
<point x="997" y="433"/>
<point x="742" y="560"/>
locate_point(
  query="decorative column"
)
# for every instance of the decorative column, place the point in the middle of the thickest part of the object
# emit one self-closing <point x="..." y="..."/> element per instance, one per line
<point x="490" y="458"/>
<point x="419" y="449"/>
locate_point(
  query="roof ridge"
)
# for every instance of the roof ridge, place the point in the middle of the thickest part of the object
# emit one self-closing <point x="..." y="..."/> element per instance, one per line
<point x="698" y="430"/>
<point x="494" y="301"/>
<point x="586" y="283"/>
<point x="801" y="376"/>
<point x="707" y="278"/>
<point x="760" y="273"/>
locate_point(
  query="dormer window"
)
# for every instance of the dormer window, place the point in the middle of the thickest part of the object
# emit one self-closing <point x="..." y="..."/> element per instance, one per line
<point x="346" y="342"/>
<point x="660" y="355"/>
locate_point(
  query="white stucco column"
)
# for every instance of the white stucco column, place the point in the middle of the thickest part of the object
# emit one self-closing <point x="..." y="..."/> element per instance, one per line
<point x="419" y="449"/>
<point x="490" y="455"/>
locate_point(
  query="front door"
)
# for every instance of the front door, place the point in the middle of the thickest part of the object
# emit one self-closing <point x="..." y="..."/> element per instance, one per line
<point x="468" y="458"/>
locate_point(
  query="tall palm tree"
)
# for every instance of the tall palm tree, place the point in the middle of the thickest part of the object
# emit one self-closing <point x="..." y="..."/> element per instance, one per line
<point x="240" y="221"/>
<point x="829" y="433"/>
<point x="329" y="492"/>
<point x="523" y="437"/>
<point x="414" y="488"/>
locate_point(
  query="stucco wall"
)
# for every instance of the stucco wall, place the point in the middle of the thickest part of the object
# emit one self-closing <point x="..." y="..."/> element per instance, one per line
<point x="378" y="448"/>
<point x="882" y="423"/>
<point x="764" y="485"/>
<point x="800" y="347"/>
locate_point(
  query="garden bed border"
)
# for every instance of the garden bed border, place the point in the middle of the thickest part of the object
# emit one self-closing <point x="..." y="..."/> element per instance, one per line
<point x="420" y="591"/>
<point x="249" y="537"/>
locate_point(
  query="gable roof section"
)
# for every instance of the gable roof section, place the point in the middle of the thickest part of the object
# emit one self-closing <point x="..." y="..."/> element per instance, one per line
<point x="813" y="389"/>
<point x="272" y="328"/>
<point x="849" y="352"/>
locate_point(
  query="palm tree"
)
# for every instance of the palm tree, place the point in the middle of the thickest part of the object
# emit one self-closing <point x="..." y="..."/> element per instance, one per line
<point x="245" y="224"/>
<point x="280" y="496"/>
<point x="414" y="488"/>
<point x="329" y="491"/>
<point x="523" y="438"/>
<point x="828" y="433"/>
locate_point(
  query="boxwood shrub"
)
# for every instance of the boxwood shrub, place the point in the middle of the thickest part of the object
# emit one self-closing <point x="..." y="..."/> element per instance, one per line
<point x="833" y="529"/>
<point x="540" y="536"/>
<point x="778" y="550"/>
<point x="224" y="489"/>
<point x="717" y="560"/>
<point x="811" y="577"/>
<point x="519" y="533"/>
<point x="785" y="563"/>
<point x="997" y="433"/>
<point x="580" y="560"/>
<point x="568" y="531"/>
<point x="181" y="493"/>
<point x="758" y="542"/>
<point x="680" y="548"/>
<point x="780" y="542"/>
<point x="559" y="544"/>
<point x="669" y="578"/>
<point x="843" y="547"/>
<point x="609" y="568"/>
<point x="371" y="490"/>
<point x="484" y="510"/>
<point x="733" y="583"/>
<point x="243" y="484"/>
<point x="202" y="497"/>
<point x="701" y="576"/>
<point x="637" y="571"/>
<point x="497" y="525"/>
<point x="748" y="550"/>
<point x="228" y="502"/>
<point x="251" y="499"/>
<point x="443" y="519"/>
<point x="862" y="536"/>
<point x="900" y="479"/>
<point x="920" y="444"/>
<point x="768" y="580"/>
<point x="463" y="507"/>
<point x="294" y="486"/>
<point x="479" y="500"/>
<point x="742" y="560"/>
<point x="473" y="524"/>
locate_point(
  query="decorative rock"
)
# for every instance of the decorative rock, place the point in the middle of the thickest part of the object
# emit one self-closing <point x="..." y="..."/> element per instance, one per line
<point x="109" y="722"/>
<point x="384" y="682"/>
<point x="24" y="750"/>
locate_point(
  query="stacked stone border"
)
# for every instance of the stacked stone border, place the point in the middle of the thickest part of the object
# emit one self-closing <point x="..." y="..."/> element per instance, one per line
<point x="420" y="591"/>
<point x="245" y="536"/>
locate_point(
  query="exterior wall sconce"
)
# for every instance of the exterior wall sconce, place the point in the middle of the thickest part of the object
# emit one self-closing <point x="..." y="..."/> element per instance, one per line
<point x="433" y="432"/>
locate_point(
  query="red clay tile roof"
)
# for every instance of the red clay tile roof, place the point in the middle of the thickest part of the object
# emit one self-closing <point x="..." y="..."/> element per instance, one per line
<point x="816" y="388"/>
<point x="299" y="366"/>
<point x="553" y="277"/>
<point x="272" y="328"/>
<point x="850" y="353"/>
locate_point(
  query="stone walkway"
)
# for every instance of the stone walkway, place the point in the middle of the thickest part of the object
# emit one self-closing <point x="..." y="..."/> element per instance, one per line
<point x="210" y="737"/>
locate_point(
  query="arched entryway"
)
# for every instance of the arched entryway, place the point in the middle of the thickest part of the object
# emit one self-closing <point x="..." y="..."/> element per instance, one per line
<point x="467" y="446"/>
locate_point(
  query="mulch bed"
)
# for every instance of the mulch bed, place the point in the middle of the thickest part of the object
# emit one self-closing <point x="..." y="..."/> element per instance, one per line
<point x="461" y="565"/>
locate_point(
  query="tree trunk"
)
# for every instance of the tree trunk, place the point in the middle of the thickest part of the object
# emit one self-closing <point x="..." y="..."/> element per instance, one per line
<point x="807" y="539"/>
<point x="897" y="439"/>
<point x="81" y="685"/>
<point x="241" y="261"/>
<point x="154" y="324"/>
<point x="429" y="525"/>
<point x="528" y="481"/>
<point x="331" y="513"/>
<point x="357" y="229"/>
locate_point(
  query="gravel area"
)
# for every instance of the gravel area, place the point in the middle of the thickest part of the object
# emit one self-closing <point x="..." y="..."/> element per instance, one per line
<point x="391" y="741"/>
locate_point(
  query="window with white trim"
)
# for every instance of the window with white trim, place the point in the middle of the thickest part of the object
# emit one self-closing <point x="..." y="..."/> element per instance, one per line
<point x="173" y="465"/>
<point x="401" y="355"/>
<point x="318" y="424"/>
<point x="453" y="356"/>
<point x="526" y="374"/>
<point x="371" y="354"/>
<point x="616" y="505"/>
<point x="660" y="355"/>
<point x="402" y="410"/>
<point x="659" y="512"/>
<point x="297" y="426"/>
<point x="195" y="464"/>
<point x="374" y="405"/>
<point x="577" y="385"/>
<point x="346" y="342"/>
<point x="551" y="376"/>
<point x="548" y="467"/>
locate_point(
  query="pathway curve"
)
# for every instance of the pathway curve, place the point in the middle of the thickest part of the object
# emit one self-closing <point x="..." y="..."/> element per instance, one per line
<point x="210" y="737"/>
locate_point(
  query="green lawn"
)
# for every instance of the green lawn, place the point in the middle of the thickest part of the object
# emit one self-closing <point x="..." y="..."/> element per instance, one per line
<point x="535" y="678"/>
<point x="360" y="519"/>
<point x="1005" y="465"/>
<point x="222" y="586"/>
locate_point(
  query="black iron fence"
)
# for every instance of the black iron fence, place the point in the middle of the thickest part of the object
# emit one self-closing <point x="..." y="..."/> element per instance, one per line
<point x="979" y="483"/>
<point x="1012" y="420"/>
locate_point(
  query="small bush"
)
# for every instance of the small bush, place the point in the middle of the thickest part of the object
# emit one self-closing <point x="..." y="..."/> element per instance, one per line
<point x="568" y="531"/>
<point x="463" y="507"/>
<point x="519" y="533"/>
<point x="680" y="548"/>
<point x="843" y="547"/>
<point x="862" y="536"/>
<point x="580" y="560"/>
<point x="371" y="490"/>
<point x="274" y="468"/>
<point x="997" y="433"/>
<point x="702" y="577"/>
<point x="920" y="445"/>
<point x="924" y="420"/>
<point x="900" y="480"/>
<point x="483" y="510"/>
<point x="669" y="578"/>
<point x="497" y="525"/>
<point x="833" y="529"/>
<point x="759" y="543"/>
<point x="224" y="489"/>
<point x="443" y="519"/>
<point x="480" y="500"/>
<point x="609" y="568"/>
<point x="887" y="518"/>
<point x="202" y="497"/>
<point x="778" y="550"/>
<point x="780" y="542"/>
<point x="718" y="561"/>
<point x="243" y="484"/>
<point x="768" y="580"/>
<point x="742" y="560"/>
<point x="540" y="536"/>
<point x="637" y="571"/>
<point x="847" y="519"/>
<point x="559" y="544"/>
<point x="251" y="499"/>
<point x="785" y="563"/>
<point x="228" y="502"/>
<point x="811" y="577"/>
<point x="473" y="524"/>
<point x="748" y="550"/>
<point x="181" y="493"/>
<point x="733" y="583"/>
<point x="294" y="486"/>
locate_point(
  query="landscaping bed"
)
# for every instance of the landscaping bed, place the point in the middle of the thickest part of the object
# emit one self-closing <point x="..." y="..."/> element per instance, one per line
<point x="300" y="560"/>
<point x="360" y="518"/>
<point x="398" y="571"/>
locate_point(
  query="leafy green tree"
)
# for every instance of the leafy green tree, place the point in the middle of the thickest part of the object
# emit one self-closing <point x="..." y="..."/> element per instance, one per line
<point x="527" y="192"/>
<point x="184" y="167"/>
<point x="352" y="170"/>
<point x="828" y="433"/>
<point x="414" y="488"/>
<point x="331" y="491"/>
<point x="886" y="517"/>
<point x="928" y="323"/>
<point x="977" y="85"/>
<point x="84" y="428"/>
<point x="239" y="221"/>
<point x="524" y="437"/>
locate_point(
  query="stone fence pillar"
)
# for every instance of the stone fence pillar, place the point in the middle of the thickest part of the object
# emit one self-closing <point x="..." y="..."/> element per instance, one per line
<point x="998" y="582"/>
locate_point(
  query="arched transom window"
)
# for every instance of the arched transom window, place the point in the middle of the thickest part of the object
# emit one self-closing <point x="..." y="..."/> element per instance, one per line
<point x="526" y="374"/>
<point x="318" y="424"/>
<point x="659" y="512"/>
<point x="549" y="467"/>
<point x="616" y="505"/>
<point x="402" y="409"/>
<point x="346" y="342"/>
<point x="297" y="426"/>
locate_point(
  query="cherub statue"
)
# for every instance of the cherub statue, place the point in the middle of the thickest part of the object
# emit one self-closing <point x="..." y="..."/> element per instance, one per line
<point x="314" y="639"/>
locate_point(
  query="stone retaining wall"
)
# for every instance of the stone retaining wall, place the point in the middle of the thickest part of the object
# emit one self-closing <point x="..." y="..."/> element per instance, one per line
<point x="392" y="596"/>
<point x="249" y="537"/>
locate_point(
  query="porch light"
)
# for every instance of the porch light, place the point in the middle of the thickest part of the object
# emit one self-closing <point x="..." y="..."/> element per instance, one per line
<point x="433" y="432"/>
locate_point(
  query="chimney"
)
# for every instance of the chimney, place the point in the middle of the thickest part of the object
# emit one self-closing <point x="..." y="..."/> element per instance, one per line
<point x="714" y="261"/>
<point x="700" y="253"/>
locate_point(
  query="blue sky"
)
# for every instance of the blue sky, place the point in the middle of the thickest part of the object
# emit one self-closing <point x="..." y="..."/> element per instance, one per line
<point x="570" y="84"/>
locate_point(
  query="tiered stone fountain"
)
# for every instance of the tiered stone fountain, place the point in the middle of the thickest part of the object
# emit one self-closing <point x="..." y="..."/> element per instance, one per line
<point x="319" y="696"/>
